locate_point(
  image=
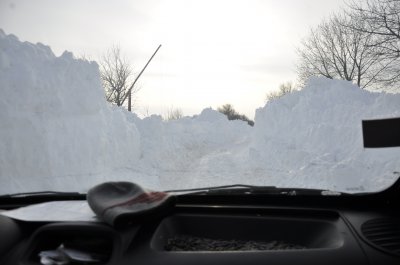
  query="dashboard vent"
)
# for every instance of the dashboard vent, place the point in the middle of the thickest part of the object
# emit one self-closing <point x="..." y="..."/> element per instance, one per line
<point x="383" y="233"/>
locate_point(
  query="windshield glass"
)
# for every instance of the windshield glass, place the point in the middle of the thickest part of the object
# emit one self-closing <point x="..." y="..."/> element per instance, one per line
<point x="184" y="94"/>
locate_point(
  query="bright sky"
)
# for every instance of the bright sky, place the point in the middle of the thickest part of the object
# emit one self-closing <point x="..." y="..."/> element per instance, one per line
<point x="214" y="51"/>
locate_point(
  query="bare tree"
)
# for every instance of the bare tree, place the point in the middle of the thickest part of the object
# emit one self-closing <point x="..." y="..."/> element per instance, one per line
<point x="284" y="88"/>
<point x="334" y="50"/>
<point x="381" y="20"/>
<point x="174" y="114"/>
<point x="117" y="77"/>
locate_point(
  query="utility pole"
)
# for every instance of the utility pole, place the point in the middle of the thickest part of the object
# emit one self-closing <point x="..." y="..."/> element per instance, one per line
<point x="129" y="94"/>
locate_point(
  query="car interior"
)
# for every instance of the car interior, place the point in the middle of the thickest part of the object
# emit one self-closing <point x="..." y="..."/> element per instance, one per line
<point x="329" y="229"/>
<point x="221" y="225"/>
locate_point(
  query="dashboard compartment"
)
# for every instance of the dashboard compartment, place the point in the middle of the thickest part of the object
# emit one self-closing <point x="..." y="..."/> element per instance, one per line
<point x="95" y="240"/>
<point x="296" y="233"/>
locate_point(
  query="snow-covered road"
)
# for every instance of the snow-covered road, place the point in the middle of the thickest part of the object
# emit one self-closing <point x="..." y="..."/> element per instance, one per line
<point x="52" y="139"/>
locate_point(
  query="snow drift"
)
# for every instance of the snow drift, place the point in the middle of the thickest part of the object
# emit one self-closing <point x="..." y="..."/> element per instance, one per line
<point x="313" y="138"/>
<point x="58" y="133"/>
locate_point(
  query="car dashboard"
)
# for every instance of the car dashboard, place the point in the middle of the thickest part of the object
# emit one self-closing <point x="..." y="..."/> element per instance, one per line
<point x="316" y="230"/>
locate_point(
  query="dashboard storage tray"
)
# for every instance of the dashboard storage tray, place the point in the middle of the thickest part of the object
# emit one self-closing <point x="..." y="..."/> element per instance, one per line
<point x="191" y="232"/>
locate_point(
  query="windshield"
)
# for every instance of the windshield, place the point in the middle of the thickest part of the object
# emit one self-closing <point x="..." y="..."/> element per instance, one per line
<point x="188" y="94"/>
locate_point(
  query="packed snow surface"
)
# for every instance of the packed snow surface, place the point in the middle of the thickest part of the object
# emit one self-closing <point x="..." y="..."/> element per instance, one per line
<point x="58" y="133"/>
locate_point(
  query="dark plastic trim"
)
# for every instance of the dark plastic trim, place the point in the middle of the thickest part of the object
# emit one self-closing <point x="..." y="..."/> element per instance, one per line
<point x="55" y="232"/>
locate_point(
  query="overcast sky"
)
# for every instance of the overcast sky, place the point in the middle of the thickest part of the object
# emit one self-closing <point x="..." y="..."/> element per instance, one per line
<point x="213" y="52"/>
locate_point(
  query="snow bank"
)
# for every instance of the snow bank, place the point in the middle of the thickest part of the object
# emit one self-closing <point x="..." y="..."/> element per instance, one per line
<point x="313" y="138"/>
<point x="173" y="145"/>
<point x="58" y="133"/>
<point x="174" y="150"/>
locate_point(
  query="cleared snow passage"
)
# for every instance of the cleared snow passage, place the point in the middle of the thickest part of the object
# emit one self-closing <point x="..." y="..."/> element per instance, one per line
<point x="58" y="133"/>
